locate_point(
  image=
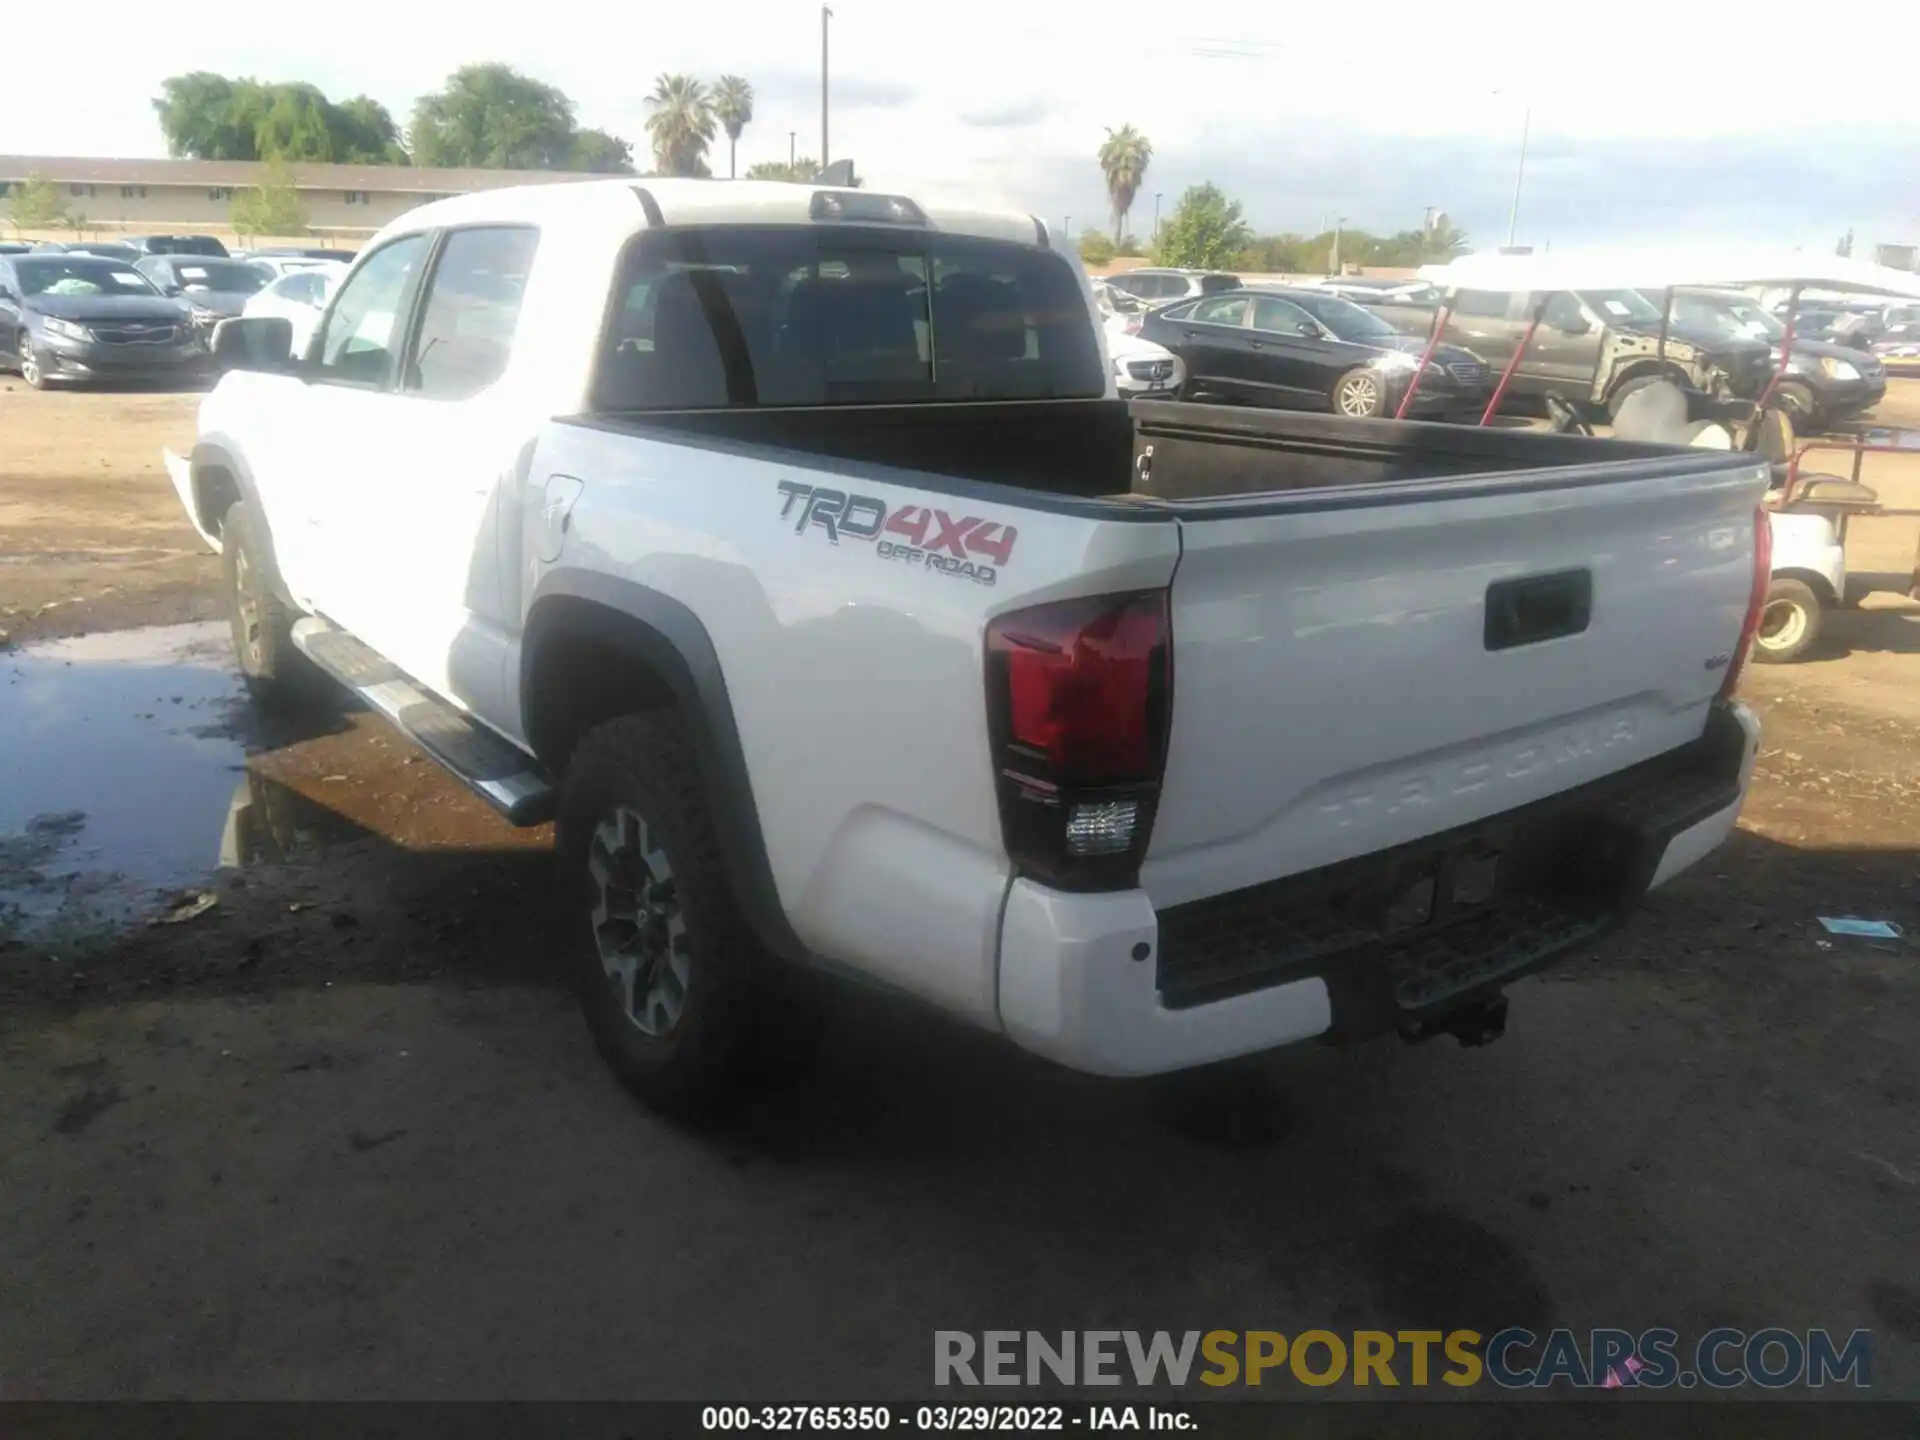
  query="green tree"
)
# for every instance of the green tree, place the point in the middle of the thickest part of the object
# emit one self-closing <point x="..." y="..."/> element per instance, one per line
<point x="270" y="208"/>
<point x="801" y="171"/>
<point x="1206" y="231"/>
<point x="1096" y="248"/>
<point x="201" y="120"/>
<point x="598" y="153"/>
<point x="491" y="117"/>
<point x="1124" y="159"/>
<point x="34" y="204"/>
<point x="297" y="125"/>
<point x="681" y="125"/>
<point x="213" y="117"/>
<point x="364" y="133"/>
<point x="733" y="108"/>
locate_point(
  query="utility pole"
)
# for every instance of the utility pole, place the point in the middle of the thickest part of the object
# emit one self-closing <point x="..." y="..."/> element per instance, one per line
<point x="1519" y="175"/>
<point x="792" y="151"/>
<point x="1156" y="217"/>
<point x="826" y="155"/>
<point x="1067" y="229"/>
<point x="1333" y="261"/>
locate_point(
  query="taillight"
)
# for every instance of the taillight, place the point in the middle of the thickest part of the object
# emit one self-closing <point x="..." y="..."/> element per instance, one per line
<point x="1079" y="693"/>
<point x="1132" y="325"/>
<point x="1756" y="600"/>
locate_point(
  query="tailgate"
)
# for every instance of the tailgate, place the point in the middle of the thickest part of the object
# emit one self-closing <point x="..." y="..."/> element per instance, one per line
<point x="1357" y="669"/>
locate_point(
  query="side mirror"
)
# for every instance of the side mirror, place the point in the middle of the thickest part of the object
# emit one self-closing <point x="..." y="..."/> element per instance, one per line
<point x="172" y="290"/>
<point x="6" y="293"/>
<point x="1308" y="329"/>
<point x="254" y="342"/>
<point x="1574" y="325"/>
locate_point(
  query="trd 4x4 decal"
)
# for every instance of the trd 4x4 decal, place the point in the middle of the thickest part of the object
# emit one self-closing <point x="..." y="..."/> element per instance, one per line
<point x="914" y="534"/>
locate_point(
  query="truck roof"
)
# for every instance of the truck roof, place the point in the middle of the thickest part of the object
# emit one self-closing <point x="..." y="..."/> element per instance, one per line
<point x="623" y="202"/>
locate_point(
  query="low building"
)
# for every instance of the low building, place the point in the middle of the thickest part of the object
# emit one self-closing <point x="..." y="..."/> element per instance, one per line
<point x="138" y="196"/>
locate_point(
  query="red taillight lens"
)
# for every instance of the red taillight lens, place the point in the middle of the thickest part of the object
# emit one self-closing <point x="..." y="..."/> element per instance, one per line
<point x="1756" y="600"/>
<point x="1132" y="326"/>
<point x="1079" y="694"/>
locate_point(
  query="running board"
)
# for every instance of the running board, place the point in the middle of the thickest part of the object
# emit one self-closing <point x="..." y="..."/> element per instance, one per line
<point x="490" y="767"/>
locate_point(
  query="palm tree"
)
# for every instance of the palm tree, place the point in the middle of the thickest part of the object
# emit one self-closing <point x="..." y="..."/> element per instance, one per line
<point x="1124" y="157"/>
<point x="681" y="125"/>
<point x="1443" y="241"/>
<point x="733" y="108"/>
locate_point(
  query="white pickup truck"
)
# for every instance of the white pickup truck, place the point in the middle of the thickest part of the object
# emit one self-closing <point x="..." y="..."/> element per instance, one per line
<point x="790" y="546"/>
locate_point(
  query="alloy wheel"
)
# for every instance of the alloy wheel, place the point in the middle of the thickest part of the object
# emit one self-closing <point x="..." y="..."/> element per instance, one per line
<point x="638" y="927"/>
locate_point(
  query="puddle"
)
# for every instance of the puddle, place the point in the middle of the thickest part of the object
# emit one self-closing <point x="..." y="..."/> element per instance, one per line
<point x="126" y="778"/>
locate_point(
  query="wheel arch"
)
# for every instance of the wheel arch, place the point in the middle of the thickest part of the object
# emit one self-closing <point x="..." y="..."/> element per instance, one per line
<point x="1813" y="580"/>
<point x="221" y="477"/>
<point x="1650" y="367"/>
<point x="596" y="647"/>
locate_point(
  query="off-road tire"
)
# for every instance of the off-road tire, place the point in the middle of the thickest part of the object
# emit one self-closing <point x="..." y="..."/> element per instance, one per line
<point x="276" y="674"/>
<point x="718" y="1049"/>
<point x="1795" y="610"/>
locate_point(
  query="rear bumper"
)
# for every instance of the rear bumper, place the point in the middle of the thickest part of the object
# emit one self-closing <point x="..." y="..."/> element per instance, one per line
<point x="1102" y="983"/>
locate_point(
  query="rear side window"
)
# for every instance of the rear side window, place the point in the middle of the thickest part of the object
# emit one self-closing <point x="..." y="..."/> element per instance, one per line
<point x="1214" y="284"/>
<point x="1231" y="310"/>
<point x="824" y="315"/>
<point x="471" y="309"/>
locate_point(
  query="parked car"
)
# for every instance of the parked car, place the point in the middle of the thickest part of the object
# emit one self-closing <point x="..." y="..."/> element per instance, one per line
<point x="1160" y="286"/>
<point x="1305" y="349"/>
<point x="1143" y="370"/>
<point x="1407" y="305"/>
<point x="304" y="252"/>
<point x="828" y="622"/>
<point x="1595" y="347"/>
<point x="213" y="289"/>
<point x="274" y="266"/>
<point x="80" y="317"/>
<point x="299" y="297"/>
<point x="108" y="249"/>
<point x="179" y="245"/>
<point x="15" y="247"/>
<point x="1824" y="383"/>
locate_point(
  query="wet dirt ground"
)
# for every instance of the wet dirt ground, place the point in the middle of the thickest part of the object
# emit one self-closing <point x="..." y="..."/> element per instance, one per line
<point x="339" y="1133"/>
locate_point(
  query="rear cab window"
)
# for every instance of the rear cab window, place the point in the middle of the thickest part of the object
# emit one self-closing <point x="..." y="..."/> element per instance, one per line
<point x="841" y="315"/>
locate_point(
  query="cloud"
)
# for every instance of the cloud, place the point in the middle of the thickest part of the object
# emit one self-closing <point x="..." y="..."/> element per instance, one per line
<point x="1002" y="117"/>
<point x="1802" y="187"/>
<point x="801" y="89"/>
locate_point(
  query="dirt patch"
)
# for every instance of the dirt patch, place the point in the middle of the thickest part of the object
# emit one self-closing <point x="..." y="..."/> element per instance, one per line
<point x="91" y="534"/>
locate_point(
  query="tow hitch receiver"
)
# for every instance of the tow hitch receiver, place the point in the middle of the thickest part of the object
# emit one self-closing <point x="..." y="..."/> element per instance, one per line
<point x="1481" y="1023"/>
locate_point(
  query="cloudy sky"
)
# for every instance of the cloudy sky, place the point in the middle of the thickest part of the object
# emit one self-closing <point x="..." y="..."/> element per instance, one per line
<point x="1658" y="120"/>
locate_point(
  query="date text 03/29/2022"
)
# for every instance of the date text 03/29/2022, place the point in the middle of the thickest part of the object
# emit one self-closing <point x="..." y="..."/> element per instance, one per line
<point x="940" y="1419"/>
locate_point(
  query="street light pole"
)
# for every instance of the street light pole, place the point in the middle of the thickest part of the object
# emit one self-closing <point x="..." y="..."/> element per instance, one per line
<point x="1519" y="176"/>
<point x="1156" y="217"/>
<point x="792" y="151"/>
<point x="826" y="14"/>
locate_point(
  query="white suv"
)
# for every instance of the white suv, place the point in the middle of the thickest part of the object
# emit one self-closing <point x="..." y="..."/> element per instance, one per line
<point x="1159" y="287"/>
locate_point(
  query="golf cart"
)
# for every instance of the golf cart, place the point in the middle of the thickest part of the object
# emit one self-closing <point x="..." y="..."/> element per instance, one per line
<point x="1808" y="512"/>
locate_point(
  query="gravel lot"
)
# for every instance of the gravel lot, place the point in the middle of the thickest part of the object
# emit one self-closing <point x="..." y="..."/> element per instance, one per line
<point x="340" y="1135"/>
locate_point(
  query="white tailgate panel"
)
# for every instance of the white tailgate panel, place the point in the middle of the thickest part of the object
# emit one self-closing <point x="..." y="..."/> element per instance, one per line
<point x="1333" y="693"/>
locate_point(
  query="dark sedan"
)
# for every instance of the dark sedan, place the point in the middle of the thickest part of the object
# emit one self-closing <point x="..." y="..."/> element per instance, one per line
<point x="78" y="317"/>
<point x="213" y="290"/>
<point x="1308" y="350"/>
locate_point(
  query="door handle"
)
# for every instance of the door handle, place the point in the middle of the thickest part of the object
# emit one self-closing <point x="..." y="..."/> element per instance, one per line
<point x="1538" y="607"/>
<point x="1257" y="344"/>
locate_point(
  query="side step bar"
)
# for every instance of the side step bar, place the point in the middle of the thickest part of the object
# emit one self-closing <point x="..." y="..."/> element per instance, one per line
<point x="499" y="774"/>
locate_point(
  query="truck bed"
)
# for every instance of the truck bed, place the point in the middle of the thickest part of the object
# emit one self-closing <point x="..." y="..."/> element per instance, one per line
<point x="1093" y="449"/>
